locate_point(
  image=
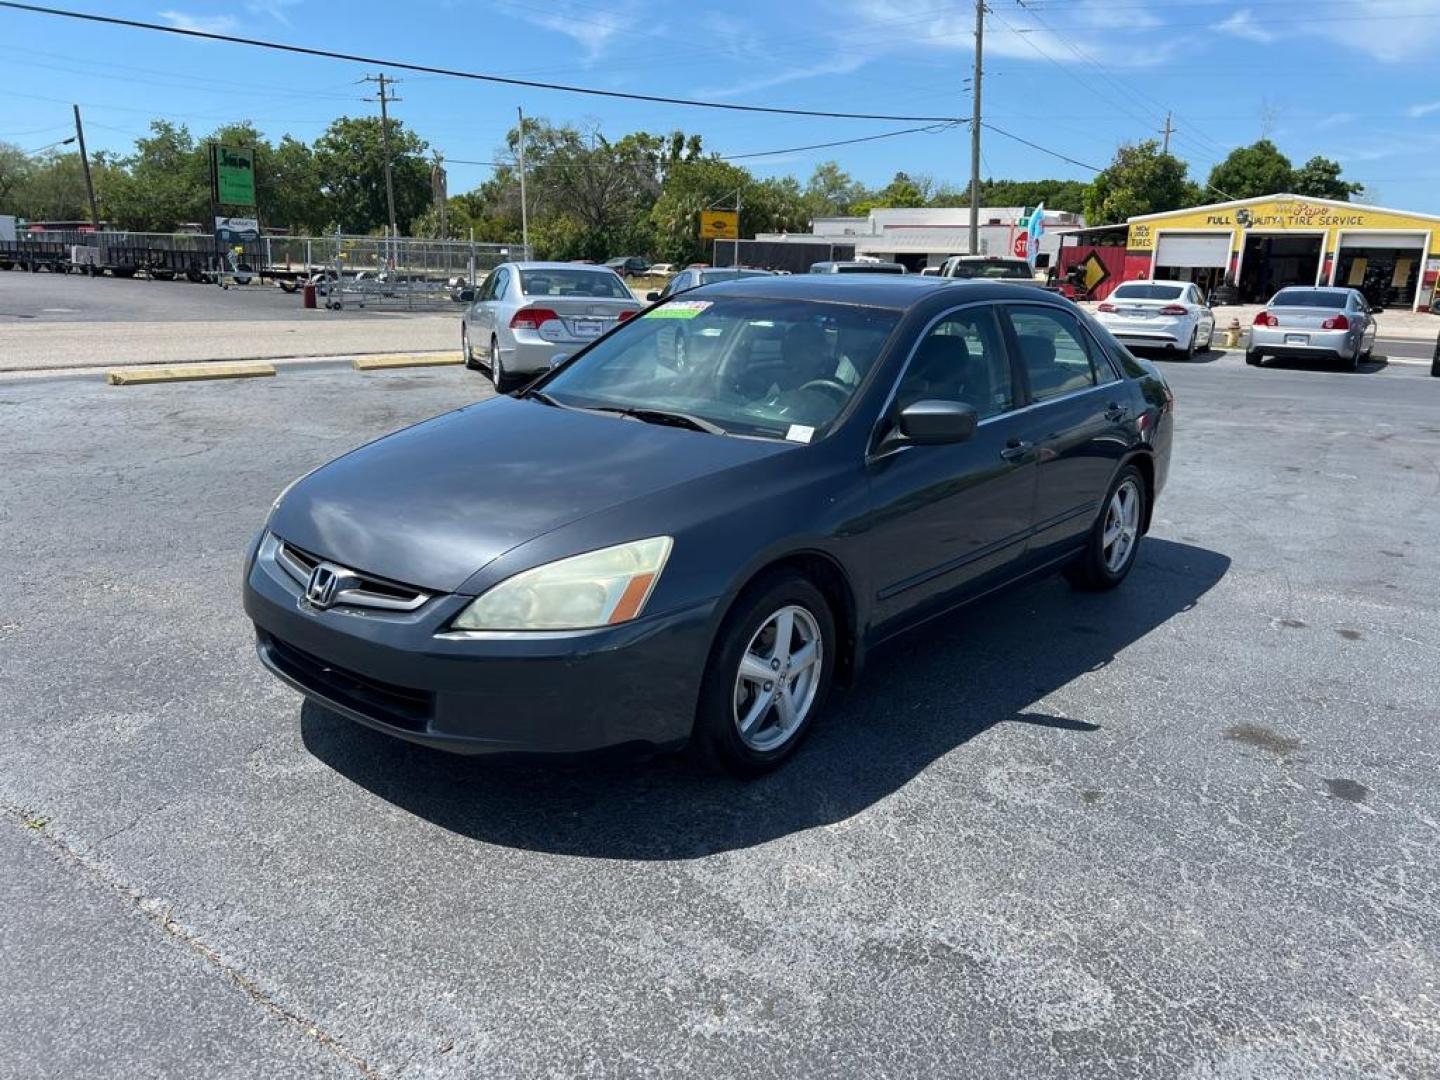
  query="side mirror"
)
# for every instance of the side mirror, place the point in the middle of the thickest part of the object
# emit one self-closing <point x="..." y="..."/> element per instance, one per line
<point x="467" y="295"/>
<point x="651" y="297"/>
<point x="930" y="423"/>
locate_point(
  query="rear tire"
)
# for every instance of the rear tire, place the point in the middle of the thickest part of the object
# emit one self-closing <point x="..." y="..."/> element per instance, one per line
<point x="1191" y="349"/>
<point x="503" y="380"/>
<point x="1114" y="540"/>
<point x="1253" y="358"/>
<point x="466" y="352"/>
<point x="741" y="727"/>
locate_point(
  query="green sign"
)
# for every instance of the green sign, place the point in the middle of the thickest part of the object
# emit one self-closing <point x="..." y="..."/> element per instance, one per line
<point x="235" y="175"/>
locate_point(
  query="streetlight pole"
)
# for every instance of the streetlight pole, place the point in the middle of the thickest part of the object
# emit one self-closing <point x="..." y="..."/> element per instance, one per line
<point x="524" y="210"/>
<point x="85" y="165"/>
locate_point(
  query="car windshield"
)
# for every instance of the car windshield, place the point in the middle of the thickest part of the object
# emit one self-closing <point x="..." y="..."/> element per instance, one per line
<point x="999" y="268"/>
<point x="1148" y="292"/>
<point x="558" y="282"/>
<point x="1308" y="298"/>
<point x="751" y="366"/>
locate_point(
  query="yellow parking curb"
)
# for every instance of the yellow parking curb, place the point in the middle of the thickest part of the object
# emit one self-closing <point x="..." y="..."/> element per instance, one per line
<point x="376" y="363"/>
<point x="186" y="373"/>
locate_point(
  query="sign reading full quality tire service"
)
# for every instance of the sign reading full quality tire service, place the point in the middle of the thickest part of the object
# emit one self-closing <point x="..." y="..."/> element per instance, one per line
<point x="235" y="175"/>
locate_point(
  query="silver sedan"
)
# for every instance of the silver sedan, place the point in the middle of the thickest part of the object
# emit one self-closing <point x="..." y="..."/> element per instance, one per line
<point x="529" y="314"/>
<point x="1303" y="323"/>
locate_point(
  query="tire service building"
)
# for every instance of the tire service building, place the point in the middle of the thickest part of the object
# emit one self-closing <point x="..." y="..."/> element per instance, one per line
<point x="1266" y="243"/>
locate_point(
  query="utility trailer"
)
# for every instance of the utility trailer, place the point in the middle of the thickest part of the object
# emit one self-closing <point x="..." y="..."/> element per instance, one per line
<point x="35" y="255"/>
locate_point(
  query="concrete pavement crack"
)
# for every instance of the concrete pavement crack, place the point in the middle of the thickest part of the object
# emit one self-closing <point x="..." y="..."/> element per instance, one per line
<point x="158" y="915"/>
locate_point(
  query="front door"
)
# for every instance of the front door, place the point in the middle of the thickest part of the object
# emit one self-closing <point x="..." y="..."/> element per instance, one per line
<point x="946" y="520"/>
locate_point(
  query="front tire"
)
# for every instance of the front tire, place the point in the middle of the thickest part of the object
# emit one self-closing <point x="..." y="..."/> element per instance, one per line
<point x="465" y="351"/>
<point x="769" y="674"/>
<point x="1115" y="540"/>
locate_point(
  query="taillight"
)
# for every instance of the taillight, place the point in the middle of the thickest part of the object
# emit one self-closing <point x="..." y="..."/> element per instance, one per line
<point x="1173" y="309"/>
<point x="1336" y="322"/>
<point x="1264" y="318"/>
<point x="627" y="315"/>
<point x="1107" y="307"/>
<point x="530" y="318"/>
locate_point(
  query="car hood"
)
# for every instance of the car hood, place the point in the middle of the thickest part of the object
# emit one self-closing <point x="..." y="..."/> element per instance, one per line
<point x="432" y="504"/>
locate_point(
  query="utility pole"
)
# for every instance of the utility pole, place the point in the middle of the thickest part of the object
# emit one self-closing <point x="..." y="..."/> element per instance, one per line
<point x="385" y="142"/>
<point x="1167" y="131"/>
<point x="85" y="165"/>
<point x="524" y="211"/>
<point x="975" y="131"/>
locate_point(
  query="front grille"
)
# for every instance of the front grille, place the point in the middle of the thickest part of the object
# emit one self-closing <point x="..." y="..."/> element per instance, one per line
<point x="360" y="589"/>
<point x="399" y="706"/>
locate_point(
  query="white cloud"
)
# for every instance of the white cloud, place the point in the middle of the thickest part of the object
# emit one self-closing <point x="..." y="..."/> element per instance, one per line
<point x="276" y="9"/>
<point x="1389" y="30"/>
<point x="1423" y="109"/>
<point x="593" y="32"/>
<point x="1338" y="119"/>
<point x="1242" y="24"/>
<point x="205" y="24"/>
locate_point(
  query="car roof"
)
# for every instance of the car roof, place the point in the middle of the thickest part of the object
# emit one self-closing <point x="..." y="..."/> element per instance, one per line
<point x="558" y="266"/>
<point x="1316" y="288"/>
<point x="898" y="292"/>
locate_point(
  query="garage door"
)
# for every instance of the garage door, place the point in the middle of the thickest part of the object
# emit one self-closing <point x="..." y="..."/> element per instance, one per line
<point x="1394" y="240"/>
<point x="1193" y="249"/>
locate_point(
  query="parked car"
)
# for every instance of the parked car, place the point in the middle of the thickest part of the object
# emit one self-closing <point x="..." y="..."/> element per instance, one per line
<point x="529" y="313"/>
<point x="628" y="265"/>
<point x="992" y="267"/>
<point x="857" y="266"/>
<point x="694" y="527"/>
<point x="1167" y="315"/>
<point x="1302" y="323"/>
<point x="661" y="269"/>
<point x="694" y="276"/>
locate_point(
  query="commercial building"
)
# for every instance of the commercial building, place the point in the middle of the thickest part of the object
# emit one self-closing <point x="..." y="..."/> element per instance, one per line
<point x="927" y="236"/>
<point x="1266" y="243"/>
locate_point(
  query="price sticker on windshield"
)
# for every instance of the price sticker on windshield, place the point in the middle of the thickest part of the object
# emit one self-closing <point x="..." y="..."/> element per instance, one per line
<point x="678" y="309"/>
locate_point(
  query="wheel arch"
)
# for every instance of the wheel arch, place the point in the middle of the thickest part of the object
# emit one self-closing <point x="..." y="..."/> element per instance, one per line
<point x="830" y="577"/>
<point x="1144" y="460"/>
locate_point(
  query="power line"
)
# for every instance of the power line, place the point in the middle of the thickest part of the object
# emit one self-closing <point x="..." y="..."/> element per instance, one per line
<point x="326" y="54"/>
<point x="1036" y="146"/>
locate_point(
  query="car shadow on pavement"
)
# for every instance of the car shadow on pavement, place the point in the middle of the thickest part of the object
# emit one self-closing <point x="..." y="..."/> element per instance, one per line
<point x="919" y="699"/>
<point x="1373" y="366"/>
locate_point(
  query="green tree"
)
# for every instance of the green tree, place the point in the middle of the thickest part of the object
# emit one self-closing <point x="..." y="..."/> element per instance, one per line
<point x="1055" y="194"/>
<point x="1319" y="178"/>
<point x="290" y="191"/>
<point x="831" y="191"/>
<point x="1248" y="171"/>
<point x="902" y="191"/>
<point x="691" y="187"/>
<point x="52" y="188"/>
<point x="349" y="161"/>
<point x="15" y="169"/>
<point x="1140" y="180"/>
<point x="165" y="183"/>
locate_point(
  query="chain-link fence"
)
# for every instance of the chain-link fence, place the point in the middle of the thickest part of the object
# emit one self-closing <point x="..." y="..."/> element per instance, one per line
<point x="409" y="274"/>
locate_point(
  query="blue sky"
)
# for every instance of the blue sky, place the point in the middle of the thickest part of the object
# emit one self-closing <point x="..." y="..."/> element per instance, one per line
<point x="1351" y="79"/>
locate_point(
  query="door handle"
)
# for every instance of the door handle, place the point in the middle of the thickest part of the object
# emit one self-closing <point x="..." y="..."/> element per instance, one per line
<point x="1116" y="411"/>
<point x="1016" y="449"/>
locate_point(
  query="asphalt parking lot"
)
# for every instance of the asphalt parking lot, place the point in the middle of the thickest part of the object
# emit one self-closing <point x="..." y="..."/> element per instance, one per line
<point x="1187" y="829"/>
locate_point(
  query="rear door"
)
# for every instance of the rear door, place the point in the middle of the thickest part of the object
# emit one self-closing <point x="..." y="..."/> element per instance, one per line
<point x="948" y="520"/>
<point x="1077" y="424"/>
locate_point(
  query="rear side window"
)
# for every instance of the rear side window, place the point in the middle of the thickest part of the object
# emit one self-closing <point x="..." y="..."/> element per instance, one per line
<point x="1119" y="354"/>
<point x="1053" y="350"/>
<point x="1308" y="298"/>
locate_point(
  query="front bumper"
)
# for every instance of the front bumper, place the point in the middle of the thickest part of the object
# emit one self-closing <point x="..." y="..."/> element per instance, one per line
<point x="1318" y="344"/>
<point x="531" y="693"/>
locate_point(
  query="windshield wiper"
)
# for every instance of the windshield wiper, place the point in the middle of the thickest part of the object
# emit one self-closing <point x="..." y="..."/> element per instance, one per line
<point x="663" y="416"/>
<point x="544" y="398"/>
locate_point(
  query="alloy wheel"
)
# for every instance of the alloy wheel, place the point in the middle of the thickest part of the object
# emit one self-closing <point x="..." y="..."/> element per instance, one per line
<point x="1122" y="526"/>
<point x="778" y="678"/>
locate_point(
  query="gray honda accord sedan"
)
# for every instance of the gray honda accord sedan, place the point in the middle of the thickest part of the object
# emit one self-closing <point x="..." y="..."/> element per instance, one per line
<point x="689" y="531"/>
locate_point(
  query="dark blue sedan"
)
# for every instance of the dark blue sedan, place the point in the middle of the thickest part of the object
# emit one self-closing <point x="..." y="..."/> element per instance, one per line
<point x="690" y="531"/>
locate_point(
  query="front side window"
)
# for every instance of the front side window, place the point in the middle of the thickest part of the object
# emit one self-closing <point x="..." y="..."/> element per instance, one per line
<point x="1053" y="351"/>
<point x="765" y="367"/>
<point x="561" y="282"/>
<point x="960" y="359"/>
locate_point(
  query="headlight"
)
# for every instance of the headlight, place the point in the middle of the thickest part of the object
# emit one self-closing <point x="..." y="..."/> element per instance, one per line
<point x="599" y="588"/>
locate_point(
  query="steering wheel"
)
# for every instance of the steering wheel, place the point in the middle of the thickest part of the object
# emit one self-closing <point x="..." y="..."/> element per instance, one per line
<point x="834" y="386"/>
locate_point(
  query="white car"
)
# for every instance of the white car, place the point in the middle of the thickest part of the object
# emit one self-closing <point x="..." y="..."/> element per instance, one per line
<point x="1169" y="315"/>
<point x="660" y="270"/>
